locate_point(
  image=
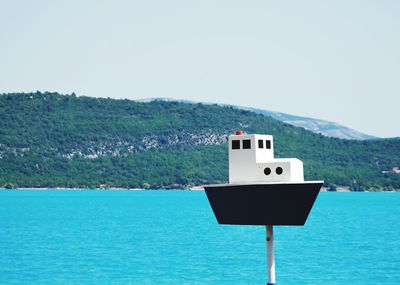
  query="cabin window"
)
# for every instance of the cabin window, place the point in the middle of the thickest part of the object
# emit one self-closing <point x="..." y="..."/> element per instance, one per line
<point x="268" y="144"/>
<point x="246" y="144"/>
<point x="260" y="144"/>
<point x="236" y="144"/>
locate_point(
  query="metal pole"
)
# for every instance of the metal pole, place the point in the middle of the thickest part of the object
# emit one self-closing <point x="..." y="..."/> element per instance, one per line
<point x="270" y="255"/>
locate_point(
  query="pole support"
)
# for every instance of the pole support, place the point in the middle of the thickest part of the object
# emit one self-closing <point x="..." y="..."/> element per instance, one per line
<point x="270" y="255"/>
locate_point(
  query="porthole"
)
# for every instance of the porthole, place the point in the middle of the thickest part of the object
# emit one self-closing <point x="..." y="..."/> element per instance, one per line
<point x="279" y="170"/>
<point x="267" y="171"/>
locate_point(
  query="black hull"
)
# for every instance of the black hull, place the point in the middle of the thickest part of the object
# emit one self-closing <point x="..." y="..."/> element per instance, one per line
<point x="263" y="204"/>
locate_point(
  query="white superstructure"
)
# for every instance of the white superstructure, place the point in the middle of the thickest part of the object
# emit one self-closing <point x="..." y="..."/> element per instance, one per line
<point x="251" y="160"/>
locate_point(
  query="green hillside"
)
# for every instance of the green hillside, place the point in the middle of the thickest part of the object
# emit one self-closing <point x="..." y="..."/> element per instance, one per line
<point x="52" y="140"/>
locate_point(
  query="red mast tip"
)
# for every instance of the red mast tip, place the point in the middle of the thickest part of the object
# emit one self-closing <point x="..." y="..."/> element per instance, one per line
<point x="239" y="132"/>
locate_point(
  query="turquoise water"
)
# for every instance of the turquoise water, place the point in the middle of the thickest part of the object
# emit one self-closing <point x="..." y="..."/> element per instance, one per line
<point x="172" y="237"/>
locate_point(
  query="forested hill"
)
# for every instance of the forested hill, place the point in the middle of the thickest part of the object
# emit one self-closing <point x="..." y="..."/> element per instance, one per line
<point x="53" y="140"/>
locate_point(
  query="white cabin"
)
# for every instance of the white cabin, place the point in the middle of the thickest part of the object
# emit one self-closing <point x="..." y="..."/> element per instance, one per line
<point x="251" y="160"/>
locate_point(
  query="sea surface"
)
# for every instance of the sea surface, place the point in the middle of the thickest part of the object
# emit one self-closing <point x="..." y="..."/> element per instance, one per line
<point x="172" y="237"/>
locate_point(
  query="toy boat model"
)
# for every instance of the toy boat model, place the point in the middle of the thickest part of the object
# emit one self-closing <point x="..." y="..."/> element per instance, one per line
<point x="262" y="190"/>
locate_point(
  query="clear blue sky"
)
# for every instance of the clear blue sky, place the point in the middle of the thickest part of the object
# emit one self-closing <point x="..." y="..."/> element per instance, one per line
<point x="334" y="60"/>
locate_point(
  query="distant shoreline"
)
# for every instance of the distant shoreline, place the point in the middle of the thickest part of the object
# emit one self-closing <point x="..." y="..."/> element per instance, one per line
<point x="95" y="189"/>
<point x="68" y="189"/>
<point x="194" y="188"/>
